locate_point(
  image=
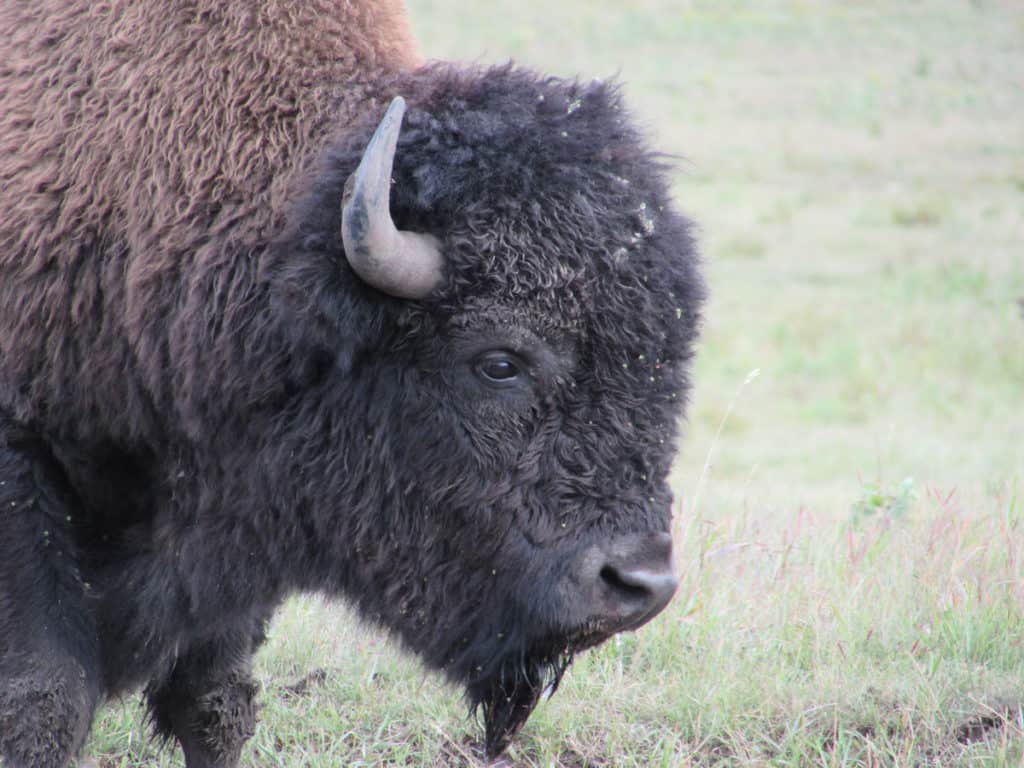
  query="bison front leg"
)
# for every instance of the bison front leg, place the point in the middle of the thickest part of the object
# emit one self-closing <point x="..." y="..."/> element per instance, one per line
<point x="49" y="655"/>
<point x="208" y="702"/>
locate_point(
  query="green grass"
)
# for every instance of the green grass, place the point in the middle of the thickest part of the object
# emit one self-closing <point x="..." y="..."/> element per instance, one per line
<point x="849" y="530"/>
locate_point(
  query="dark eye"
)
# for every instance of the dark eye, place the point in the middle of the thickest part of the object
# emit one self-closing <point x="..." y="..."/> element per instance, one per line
<point x="498" y="368"/>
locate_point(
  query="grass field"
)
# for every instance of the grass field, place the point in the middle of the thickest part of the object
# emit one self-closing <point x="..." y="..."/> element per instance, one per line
<point x="851" y="484"/>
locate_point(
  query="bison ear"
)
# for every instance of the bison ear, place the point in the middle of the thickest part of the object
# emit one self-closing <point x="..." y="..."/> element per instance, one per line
<point x="408" y="265"/>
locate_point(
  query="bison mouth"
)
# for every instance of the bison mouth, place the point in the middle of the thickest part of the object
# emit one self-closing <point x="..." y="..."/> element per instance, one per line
<point x="521" y="648"/>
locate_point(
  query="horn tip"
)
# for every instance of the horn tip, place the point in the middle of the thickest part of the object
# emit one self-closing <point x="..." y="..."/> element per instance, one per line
<point x="396" y="107"/>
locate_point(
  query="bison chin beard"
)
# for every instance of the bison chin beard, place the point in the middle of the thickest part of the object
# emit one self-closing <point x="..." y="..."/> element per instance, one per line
<point x="506" y="698"/>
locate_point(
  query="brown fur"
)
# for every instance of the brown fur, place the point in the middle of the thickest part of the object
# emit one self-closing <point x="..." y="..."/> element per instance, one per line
<point x="214" y="108"/>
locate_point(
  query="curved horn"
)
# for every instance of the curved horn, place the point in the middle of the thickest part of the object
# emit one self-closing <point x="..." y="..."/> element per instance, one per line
<point x="403" y="264"/>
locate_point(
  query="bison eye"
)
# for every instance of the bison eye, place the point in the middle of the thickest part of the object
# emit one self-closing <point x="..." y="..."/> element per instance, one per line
<point x="498" y="368"/>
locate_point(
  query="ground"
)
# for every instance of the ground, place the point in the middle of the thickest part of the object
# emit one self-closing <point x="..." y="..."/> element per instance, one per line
<point x="851" y="485"/>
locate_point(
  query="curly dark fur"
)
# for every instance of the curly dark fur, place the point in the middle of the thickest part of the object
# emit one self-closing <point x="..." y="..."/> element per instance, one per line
<point x="205" y="410"/>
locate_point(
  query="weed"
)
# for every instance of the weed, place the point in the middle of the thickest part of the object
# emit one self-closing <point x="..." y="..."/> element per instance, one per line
<point x="876" y="502"/>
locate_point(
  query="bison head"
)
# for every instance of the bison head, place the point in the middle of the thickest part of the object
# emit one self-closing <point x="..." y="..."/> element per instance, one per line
<point x="507" y="335"/>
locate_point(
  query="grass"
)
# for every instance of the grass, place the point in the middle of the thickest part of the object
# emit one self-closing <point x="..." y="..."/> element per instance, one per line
<point x="849" y="521"/>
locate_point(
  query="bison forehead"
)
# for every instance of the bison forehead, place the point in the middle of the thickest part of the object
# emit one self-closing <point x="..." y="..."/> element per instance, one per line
<point x="630" y="301"/>
<point x="505" y="133"/>
<point x="501" y="137"/>
<point x="542" y="186"/>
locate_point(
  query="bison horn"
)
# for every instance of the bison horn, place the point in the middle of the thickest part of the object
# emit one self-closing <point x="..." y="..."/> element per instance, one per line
<point x="403" y="264"/>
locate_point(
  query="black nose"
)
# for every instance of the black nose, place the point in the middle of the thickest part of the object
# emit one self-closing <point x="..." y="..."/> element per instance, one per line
<point x="637" y="580"/>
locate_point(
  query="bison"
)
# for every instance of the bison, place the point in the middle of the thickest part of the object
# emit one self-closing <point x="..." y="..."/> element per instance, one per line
<point x="284" y="308"/>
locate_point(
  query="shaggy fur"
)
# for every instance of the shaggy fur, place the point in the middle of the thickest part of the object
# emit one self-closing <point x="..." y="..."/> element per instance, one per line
<point x="203" y="410"/>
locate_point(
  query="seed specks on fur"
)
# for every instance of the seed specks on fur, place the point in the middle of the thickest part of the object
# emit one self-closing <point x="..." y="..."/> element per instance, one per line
<point x="646" y="219"/>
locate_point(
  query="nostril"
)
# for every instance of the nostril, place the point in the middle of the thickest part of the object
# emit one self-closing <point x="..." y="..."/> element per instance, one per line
<point x="623" y="584"/>
<point x="626" y="581"/>
<point x="639" y="593"/>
